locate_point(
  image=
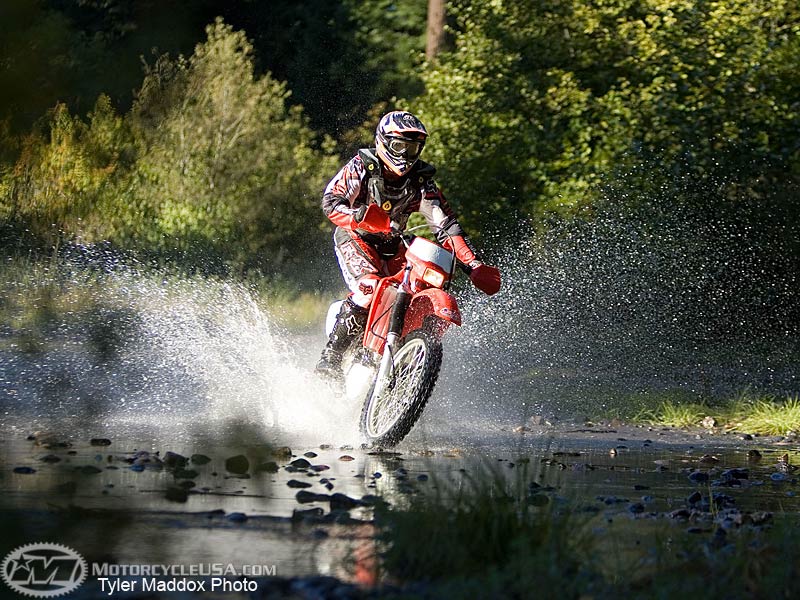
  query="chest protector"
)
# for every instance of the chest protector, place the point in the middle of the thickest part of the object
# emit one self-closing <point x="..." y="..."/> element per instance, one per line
<point x="394" y="197"/>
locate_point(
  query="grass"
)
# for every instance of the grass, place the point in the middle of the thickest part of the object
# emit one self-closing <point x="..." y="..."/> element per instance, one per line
<point x="763" y="415"/>
<point x="485" y="537"/>
<point x="770" y="417"/>
<point x="488" y="537"/>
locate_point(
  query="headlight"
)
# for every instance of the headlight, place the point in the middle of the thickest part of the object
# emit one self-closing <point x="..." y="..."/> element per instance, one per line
<point x="433" y="277"/>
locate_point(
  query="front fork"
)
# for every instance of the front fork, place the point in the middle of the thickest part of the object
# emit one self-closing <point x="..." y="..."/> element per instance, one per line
<point x="396" y="322"/>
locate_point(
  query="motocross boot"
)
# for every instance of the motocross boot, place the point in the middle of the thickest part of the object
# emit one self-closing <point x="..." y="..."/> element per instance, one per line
<point x="348" y="327"/>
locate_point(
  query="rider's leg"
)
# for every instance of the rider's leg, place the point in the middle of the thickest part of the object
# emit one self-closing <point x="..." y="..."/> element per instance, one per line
<point x="348" y="327"/>
<point x="359" y="263"/>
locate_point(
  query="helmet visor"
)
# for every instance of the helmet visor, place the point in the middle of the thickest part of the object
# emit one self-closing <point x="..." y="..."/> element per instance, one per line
<point x="404" y="147"/>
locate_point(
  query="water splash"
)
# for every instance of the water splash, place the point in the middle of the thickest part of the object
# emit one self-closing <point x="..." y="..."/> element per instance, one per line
<point x="176" y="356"/>
<point x="661" y="299"/>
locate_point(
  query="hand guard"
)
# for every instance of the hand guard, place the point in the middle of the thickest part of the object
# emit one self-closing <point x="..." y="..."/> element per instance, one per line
<point x="373" y="219"/>
<point x="484" y="277"/>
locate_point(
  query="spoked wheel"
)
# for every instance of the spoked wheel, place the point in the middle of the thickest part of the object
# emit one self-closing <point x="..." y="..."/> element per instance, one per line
<point x="394" y="405"/>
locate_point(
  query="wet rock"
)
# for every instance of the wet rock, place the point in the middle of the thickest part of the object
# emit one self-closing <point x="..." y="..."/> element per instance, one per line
<point x="99" y="442"/>
<point x="187" y="484"/>
<point x="694" y="498"/>
<point x="136" y="468"/>
<point x="723" y="500"/>
<point x="777" y="477"/>
<point x="89" y="470"/>
<point x="177" y="494"/>
<point x="319" y="468"/>
<point x="300" y="463"/>
<point x="173" y="460"/>
<point x="346" y="458"/>
<point x="636" y="508"/>
<point x="48" y="440"/>
<point x="753" y="455"/>
<point x="307" y="514"/>
<point x="293" y="483"/>
<point x="237" y="517"/>
<point x="698" y="476"/>
<point x="268" y="467"/>
<point x="341" y="501"/>
<point x="696" y="530"/>
<point x="746" y="437"/>
<point x="639" y="487"/>
<point x="422" y="477"/>
<point x="310" y="454"/>
<point x="708" y="459"/>
<point x="200" y="459"/>
<point x="144" y="459"/>
<point x="609" y="500"/>
<point x="283" y="452"/>
<point x="681" y="514"/>
<point x="238" y="464"/>
<point x="735" y="473"/>
<point x="325" y="446"/>
<point x="372" y="500"/>
<point x="708" y="422"/>
<point x="760" y="518"/>
<point x="377" y="475"/>
<point x="304" y="497"/>
<point x="50" y="458"/>
<point x="24" y="470"/>
<point x="185" y="473"/>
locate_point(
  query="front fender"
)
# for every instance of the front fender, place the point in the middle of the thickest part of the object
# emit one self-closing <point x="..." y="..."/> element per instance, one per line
<point x="432" y="302"/>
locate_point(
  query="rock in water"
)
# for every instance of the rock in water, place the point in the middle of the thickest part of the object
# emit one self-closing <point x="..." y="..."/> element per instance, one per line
<point x="237" y="464"/>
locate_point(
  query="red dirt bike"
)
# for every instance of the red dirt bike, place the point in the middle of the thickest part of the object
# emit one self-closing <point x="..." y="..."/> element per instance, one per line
<point x="394" y="370"/>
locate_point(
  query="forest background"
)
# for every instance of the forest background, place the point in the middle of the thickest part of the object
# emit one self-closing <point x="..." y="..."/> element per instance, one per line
<point x="201" y="133"/>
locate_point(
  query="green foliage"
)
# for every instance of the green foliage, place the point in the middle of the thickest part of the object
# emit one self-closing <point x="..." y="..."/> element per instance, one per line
<point x="210" y="162"/>
<point x="222" y="160"/>
<point x="541" y="102"/>
<point x="488" y="536"/>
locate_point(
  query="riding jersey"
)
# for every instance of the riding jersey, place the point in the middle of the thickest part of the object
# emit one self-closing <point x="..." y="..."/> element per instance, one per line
<point x="360" y="182"/>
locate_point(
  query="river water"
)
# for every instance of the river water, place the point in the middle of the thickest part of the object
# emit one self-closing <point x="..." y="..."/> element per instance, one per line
<point x="148" y="365"/>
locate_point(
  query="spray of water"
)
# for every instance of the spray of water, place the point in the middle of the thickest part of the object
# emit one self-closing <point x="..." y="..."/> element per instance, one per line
<point x="633" y="301"/>
<point x="175" y="356"/>
<point x="641" y="300"/>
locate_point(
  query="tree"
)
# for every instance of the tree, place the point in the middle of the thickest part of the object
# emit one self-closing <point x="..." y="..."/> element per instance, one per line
<point x="542" y="102"/>
<point x="435" y="30"/>
<point x="226" y="166"/>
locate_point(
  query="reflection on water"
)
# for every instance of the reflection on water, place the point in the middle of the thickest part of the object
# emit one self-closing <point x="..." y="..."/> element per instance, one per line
<point x="93" y="498"/>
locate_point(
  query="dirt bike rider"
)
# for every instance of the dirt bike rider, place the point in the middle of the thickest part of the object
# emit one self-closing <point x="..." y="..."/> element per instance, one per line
<point x="369" y="200"/>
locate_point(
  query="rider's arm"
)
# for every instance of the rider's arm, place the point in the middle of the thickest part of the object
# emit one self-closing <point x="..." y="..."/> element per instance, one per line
<point x="343" y="198"/>
<point x="443" y="223"/>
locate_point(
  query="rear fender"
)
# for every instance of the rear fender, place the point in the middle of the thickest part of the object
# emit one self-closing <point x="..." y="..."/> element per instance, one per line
<point x="432" y="303"/>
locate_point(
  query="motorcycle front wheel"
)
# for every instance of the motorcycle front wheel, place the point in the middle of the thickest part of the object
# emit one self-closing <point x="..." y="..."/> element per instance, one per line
<point x="393" y="406"/>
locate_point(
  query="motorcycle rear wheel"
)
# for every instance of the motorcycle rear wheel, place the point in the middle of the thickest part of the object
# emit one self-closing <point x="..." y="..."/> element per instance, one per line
<point x="392" y="407"/>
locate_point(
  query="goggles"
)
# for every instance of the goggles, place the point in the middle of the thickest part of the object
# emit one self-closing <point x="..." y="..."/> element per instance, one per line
<point x="409" y="149"/>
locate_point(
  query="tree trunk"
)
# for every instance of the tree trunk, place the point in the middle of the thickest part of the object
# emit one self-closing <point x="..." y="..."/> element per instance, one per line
<point x="435" y="34"/>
